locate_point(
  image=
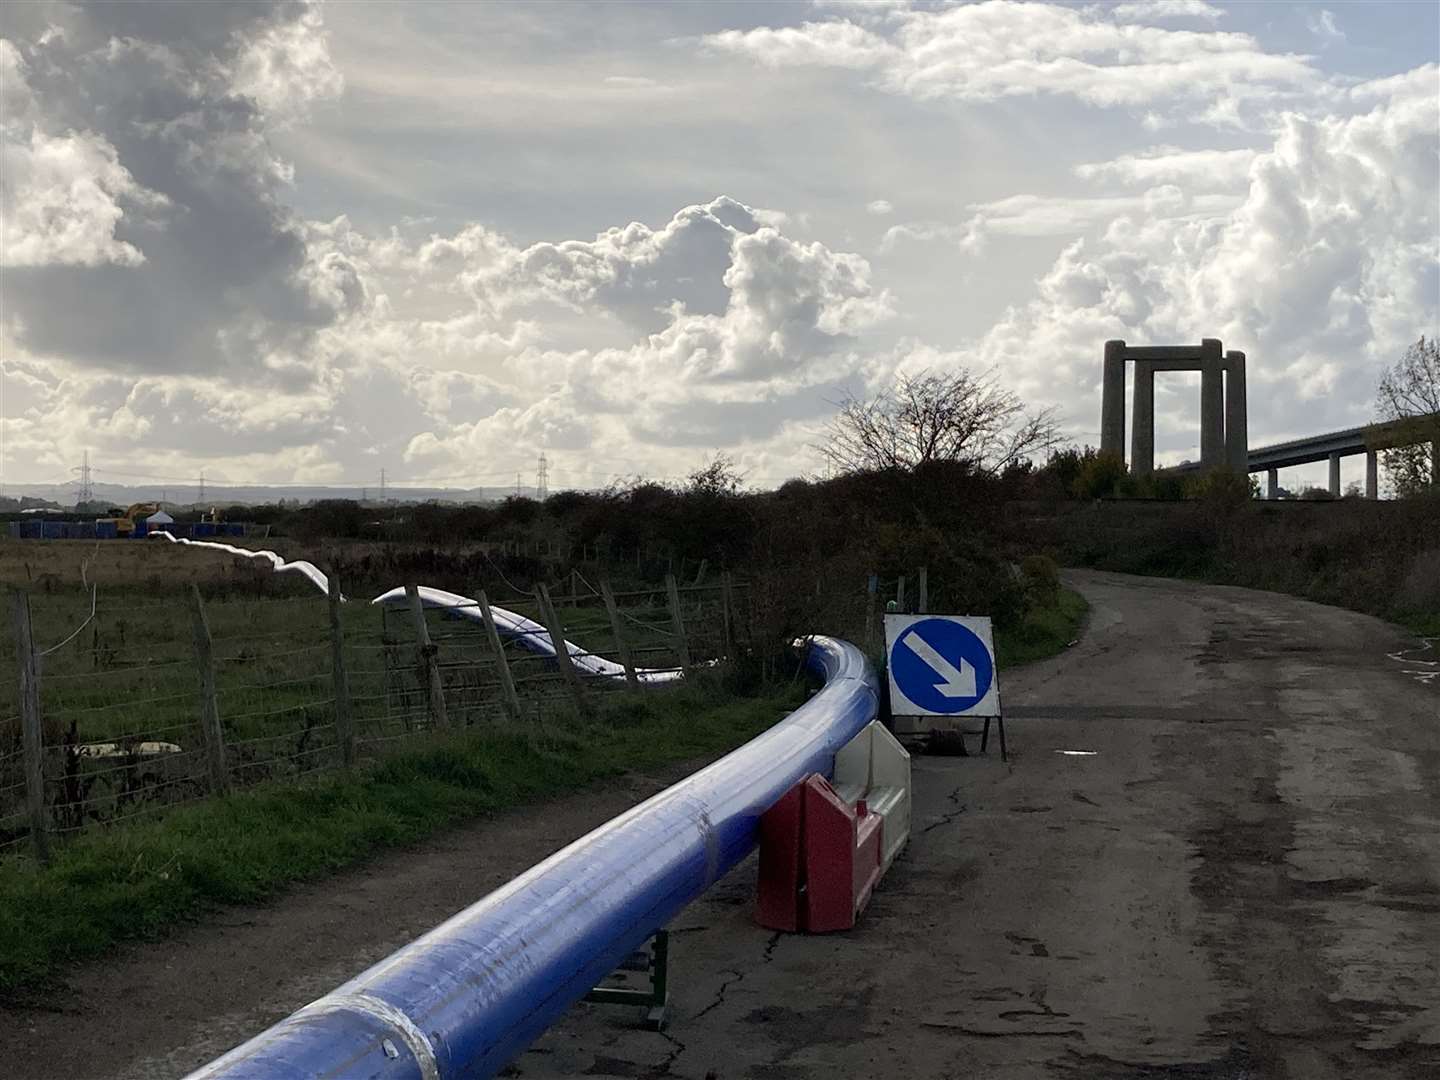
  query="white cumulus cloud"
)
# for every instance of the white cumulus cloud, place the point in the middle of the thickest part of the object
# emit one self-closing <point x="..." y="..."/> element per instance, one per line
<point x="1144" y="10"/>
<point x="999" y="49"/>
<point x="61" y="194"/>
<point x="1195" y="169"/>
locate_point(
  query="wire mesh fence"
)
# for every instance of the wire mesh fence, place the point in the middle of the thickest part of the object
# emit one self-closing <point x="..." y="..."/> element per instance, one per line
<point x="153" y="704"/>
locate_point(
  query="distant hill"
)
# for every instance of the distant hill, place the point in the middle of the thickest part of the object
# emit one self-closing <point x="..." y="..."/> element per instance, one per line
<point x="224" y="495"/>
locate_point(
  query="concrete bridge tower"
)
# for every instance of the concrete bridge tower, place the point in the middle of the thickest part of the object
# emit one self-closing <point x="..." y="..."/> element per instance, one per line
<point x="1224" y="417"/>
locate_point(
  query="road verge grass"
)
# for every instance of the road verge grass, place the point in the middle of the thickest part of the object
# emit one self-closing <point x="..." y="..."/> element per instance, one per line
<point x="142" y="880"/>
<point x="1043" y="632"/>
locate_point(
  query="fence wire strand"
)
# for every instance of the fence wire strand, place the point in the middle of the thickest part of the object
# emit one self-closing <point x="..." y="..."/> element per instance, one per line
<point x="139" y="682"/>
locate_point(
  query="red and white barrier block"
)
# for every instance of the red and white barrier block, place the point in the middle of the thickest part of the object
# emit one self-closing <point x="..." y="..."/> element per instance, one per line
<point x="825" y="844"/>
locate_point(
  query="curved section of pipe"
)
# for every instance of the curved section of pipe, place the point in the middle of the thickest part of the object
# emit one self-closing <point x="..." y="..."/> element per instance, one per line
<point x="526" y="633"/>
<point x="472" y="994"/>
<point x="277" y="563"/>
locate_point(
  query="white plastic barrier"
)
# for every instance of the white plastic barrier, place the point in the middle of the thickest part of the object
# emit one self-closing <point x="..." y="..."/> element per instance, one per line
<point x="874" y="766"/>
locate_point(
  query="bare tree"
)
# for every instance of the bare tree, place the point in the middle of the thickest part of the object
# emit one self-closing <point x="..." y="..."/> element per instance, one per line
<point x="719" y="477"/>
<point x="1410" y="394"/>
<point x="957" y="416"/>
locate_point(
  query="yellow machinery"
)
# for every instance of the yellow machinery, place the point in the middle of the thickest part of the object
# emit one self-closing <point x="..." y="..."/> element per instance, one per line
<point x="125" y="523"/>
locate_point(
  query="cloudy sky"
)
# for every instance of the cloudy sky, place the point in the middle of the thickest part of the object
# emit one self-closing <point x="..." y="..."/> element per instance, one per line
<point x="286" y="242"/>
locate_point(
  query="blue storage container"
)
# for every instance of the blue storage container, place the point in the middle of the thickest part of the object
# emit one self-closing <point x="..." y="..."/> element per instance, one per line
<point x="106" y="530"/>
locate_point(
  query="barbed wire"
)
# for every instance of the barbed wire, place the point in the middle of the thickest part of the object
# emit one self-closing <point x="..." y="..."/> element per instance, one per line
<point x="94" y="590"/>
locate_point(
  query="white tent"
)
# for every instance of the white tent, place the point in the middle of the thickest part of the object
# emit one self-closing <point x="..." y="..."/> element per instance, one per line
<point x="160" y="517"/>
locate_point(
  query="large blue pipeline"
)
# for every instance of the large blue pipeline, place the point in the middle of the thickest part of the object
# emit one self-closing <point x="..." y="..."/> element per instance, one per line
<point x="469" y="996"/>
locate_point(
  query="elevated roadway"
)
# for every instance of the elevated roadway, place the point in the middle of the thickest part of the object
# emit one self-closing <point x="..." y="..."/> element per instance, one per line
<point x="1368" y="439"/>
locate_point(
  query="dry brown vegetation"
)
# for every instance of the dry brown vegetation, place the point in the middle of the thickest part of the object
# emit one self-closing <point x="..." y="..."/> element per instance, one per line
<point x="48" y="566"/>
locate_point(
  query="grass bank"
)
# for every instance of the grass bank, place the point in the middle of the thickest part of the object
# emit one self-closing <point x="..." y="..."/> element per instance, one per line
<point x="1378" y="557"/>
<point x="142" y="880"/>
<point x="1043" y="632"/>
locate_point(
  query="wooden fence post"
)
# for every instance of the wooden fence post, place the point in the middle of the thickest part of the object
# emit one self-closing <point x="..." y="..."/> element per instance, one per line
<point x="924" y="606"/>
<point x="872" y="604"/>
<point x="681" y="645"/>
<point x="31" y="731"/>
<point x="210" y="728"/>
<point x="426" y="651"/>
<point x="621" y="644"/>
<point x="563" y="660"/>
<point x="727" y="615"/>
<point x="502" y="665"/>
<point x="344" y="722"/>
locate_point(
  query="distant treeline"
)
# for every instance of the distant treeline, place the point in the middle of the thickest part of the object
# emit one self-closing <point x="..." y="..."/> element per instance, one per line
<point x="814" y="543"/>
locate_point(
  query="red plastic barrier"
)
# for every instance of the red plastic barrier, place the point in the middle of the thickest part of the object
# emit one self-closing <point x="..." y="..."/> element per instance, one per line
<point x="819" y="859"/>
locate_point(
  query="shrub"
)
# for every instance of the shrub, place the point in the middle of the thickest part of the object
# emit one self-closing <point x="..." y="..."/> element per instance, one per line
<point x="1100" y="475"/>
<point x="1221" y="486"/>
<point x="1040" y="578"/>
<point x="1419" y="593"/>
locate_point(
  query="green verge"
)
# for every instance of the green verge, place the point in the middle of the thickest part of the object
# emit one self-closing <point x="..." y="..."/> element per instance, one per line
<point x="1425" y="625"/>
<point x="142" y="880"/>
<point x="1043" y="632"/>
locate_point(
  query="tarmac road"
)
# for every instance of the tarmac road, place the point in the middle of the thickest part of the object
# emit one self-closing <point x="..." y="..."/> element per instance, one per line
<point x="1239" y="878"/>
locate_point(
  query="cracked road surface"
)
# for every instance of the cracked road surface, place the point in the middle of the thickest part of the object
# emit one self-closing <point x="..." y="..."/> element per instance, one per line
<point x="1240" y="878"/>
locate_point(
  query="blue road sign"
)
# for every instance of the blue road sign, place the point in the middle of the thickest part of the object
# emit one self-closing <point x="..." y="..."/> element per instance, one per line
<point x="941" y="666"/>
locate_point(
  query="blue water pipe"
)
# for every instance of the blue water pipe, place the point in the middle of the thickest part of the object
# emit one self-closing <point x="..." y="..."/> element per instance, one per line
<point x="469" y="996"/>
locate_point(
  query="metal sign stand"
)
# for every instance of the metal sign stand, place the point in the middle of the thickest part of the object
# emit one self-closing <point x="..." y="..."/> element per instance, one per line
<point x="985" y="735"/>
<point x="654" y="959"/>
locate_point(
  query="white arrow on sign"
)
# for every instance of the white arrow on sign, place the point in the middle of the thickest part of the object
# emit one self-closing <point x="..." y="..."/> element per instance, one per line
<point x="953" y="683"/>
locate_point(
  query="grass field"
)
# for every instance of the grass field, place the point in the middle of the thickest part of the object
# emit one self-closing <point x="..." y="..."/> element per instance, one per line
<point x="138" y="567"/>
<point x="121" y="701"/>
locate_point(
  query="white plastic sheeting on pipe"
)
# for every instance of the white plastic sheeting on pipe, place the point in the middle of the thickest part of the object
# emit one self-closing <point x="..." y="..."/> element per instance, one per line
<point x="527" y="633"/>
<point x="278" y="564"/>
